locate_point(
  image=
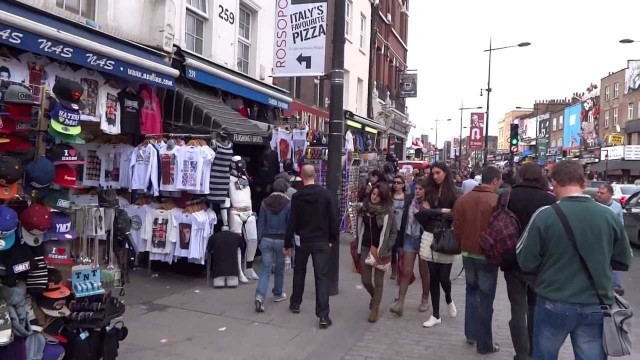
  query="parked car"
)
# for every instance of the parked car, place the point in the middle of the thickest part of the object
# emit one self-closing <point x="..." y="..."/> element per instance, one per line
<point x="621" y="192"/>
<point x="632" y="218"/>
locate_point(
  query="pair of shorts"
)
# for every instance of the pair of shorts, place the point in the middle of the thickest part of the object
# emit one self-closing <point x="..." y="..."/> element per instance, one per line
<point x="411" y="244"/>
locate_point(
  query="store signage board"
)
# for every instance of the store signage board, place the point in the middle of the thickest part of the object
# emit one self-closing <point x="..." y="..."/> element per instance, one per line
<point x="212" y="80"/>
<point x="300" y="38"/>
<point x="632" y="152"/>
<point x="614" y="152"/>
<point x="616" y="139"/>
<point x="64" y="52"/>
<point x="476" y="131"/>
<point x="248" y="139"/>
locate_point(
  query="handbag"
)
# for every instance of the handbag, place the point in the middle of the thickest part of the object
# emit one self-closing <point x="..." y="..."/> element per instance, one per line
<point x="354" y="256"/>
<point x="616" y="326"/>
<point x="371" y="261"/>
<point x="444" y="241"/>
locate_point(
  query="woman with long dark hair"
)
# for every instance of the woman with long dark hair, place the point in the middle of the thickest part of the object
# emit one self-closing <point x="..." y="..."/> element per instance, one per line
<point x="441" y="195"/>
<point x="398" y="195"/>
<point x="376" y="234"/>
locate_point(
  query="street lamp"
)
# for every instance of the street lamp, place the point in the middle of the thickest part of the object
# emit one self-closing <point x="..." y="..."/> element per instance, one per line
<point x="437" y="121"/>
<point x="462" y="108"/>
<point x="488" y="89"/>
<point x="627" y="41"/>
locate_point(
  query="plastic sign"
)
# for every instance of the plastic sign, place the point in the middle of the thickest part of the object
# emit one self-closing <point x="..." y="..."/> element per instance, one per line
<point x="616" y="139"/>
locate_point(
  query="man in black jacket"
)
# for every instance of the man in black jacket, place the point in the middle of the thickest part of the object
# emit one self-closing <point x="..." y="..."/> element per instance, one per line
<point x="527" y="196"/>
<point x="315" y="219"/>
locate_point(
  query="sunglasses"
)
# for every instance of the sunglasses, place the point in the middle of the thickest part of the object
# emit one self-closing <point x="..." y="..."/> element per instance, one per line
<point x="398" y="182"/>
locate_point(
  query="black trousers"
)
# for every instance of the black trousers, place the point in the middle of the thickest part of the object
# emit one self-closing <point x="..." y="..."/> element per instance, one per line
<point x="319" y="252"/>
<point x="522" y="296"/>
<point x="439" y="275"/>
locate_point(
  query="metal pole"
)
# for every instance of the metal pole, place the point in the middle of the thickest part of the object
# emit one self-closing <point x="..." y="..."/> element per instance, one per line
<point x="486" y="120"/>
<point x="460" y="139"/>
<point x="535" y="155"/>
<point x="606" y="166"/>
<point x="336" y="130"/>
<point x="437" y="153"/>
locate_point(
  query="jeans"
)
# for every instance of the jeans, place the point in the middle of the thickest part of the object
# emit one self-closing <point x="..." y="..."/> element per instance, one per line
<point x="272" y="254"/>
<point x="319" y="252"/>
<point x="617" y="280"/>
<point x="555" y="320"/>
<point x="522" y="296"/>
<point x="482" y="279"/>
<point x="439" y="275"/>
<point x="411" y="244"/>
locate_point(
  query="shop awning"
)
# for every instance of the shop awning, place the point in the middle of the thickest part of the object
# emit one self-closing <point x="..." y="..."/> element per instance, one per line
<point x="196" y="111"/>
<point x="212" y="74"/>
<point x="348" y="115"/>
<point x="616" y="165"/>
<point x="32" y="30"/>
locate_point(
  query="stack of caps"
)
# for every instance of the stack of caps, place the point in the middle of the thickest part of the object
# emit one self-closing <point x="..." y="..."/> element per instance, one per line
<point x="65" y="158"/>
<point x="38" y="176"/>
<point x="18" y="104"/>
<point x="57" y="247"/>
<point x="10" y="173"/>
<point x="65" y="111"/>
<point x="53" y="301"/>
<point x="8" y="226"/>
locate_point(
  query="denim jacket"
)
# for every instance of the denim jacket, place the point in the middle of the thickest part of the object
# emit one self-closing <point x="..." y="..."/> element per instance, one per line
<point x="274" y="216"/>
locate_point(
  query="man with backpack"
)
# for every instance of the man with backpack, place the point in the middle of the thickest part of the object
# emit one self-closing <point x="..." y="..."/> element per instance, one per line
<point x="471" y="216"/>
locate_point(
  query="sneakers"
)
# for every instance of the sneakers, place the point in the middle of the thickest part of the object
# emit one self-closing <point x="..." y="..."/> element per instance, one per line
<point x="431" y="322"/>
<point x="453" y="311"/>
<point x="294" y="308"/>
<point x="325" y="322"/>
<point x="397" y="308"/>
<point x="259" y="306"/>
<point x="251" y="274"/>
<point x="280" y="298"/>
<point x="424" y="305"/>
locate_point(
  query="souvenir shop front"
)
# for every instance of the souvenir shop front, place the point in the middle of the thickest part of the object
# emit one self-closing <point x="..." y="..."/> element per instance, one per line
<point x="362" y="135"/>
<point x="73" y="101"/>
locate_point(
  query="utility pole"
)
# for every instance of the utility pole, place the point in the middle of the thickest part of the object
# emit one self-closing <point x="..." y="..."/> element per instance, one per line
<point x="336" y="129"/>
<point x="486" y="118"/>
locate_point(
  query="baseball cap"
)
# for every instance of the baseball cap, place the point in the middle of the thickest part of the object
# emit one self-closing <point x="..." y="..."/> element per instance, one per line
<point x="53" y="303"/>
<point x="34" y="221"/>
<point x="53" y="352"/>
<point x="65" y="154"/>
<point x="58" y="252"/>
<point x="66" y="176"/>
<point x="69" y="93"/>
<point x="19" y="112"/>
<point x="18" y="94"/>
<point x="60" y="228"/>
<point x="8" y="225"/>
<point x="16" y="143"/>
<point x="58" y="200"/>
<point x="10" y="170"/>
<point x="73" y="139"/>
<point x="65" y="120"/>
<point x="17" y="261"/>
<point x="39" y="174"/>
<point x="10" y="126"/>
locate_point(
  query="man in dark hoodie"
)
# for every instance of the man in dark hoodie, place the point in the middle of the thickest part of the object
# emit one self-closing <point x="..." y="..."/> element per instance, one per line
<point x="314" y="218"/>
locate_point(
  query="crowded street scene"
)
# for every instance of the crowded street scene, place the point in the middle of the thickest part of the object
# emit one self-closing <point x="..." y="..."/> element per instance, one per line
<point x="265" y="179"/>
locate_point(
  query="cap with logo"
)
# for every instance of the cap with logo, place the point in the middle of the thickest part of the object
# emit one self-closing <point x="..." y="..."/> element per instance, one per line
<point x="69" y="93"/>
<point x="10" y="172"/>
<point x="65" y="120"/>
<point x="58" y="200"/>
<point x="73" y="139"/>
<point x="8" y="226"/>
<point x="65" y="154"/>
<point x="58" y="253"/>
<point x="18" y="261"/>
<point x="53" y="303"/>
<point x="18" y="102"/>
<point x="15" y="143"/>
<point x="34" y="221"/>
<point x="61" y="228"/>
<point x="66" y="176"/>
<point x="39" y="174"/>
<point x="11" y="126"/>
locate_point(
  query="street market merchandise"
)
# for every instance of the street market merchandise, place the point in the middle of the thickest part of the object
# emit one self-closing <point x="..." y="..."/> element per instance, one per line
<point x="219" y="180"/>
<point x="224" y="250"/>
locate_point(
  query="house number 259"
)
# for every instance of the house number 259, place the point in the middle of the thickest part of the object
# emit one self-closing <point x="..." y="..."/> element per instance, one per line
<point x="226" y="15"/>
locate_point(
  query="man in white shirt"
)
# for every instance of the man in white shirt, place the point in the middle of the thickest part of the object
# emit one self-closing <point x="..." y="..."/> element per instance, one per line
<point x="605" y="197"/>
<point x="469" y="184"/>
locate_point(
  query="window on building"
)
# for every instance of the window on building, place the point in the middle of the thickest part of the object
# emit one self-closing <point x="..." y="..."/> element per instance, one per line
<point x="630" y="112"/>
<point x="606" y="119"/>
<point x="296" y="86"/>
<point x="200" y="5"/>
<point x="363" y="31"/>
<point x="194" y="33"/>
<point x="347" y="17"/>
<point x="615" y="116"/>
<point x="84" y="8"/>
<point x="560" y="122"/>
<point x="360" y="105"/>
<point x="607" y="96"/>
<point x="244" y="40"/>
<point x="616" y="90"/>
<point x="554" y="124"/>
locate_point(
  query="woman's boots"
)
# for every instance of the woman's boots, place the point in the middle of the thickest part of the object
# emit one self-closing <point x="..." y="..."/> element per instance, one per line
<point x="375" y="305"/>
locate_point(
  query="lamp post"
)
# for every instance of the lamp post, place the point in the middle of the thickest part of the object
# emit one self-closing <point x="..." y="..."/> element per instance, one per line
<point x="437" y="121"/>
<point x="488" y="90"/>
<point x="606" y="164"/>
<point x="462" y="108"/>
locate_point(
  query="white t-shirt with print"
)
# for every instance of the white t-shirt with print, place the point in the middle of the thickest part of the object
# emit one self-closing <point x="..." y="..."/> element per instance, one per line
<point x="159" y="231"/>
<point x="125" y="168"/>
<point x="138" y="215"/>
<point x="14" y="70"/>
<point x="207" y="155"/>
<point x="91" y="81"/>
<point x="144" y="169"/>
<point x="93" y="167"/>
<point x="58" y="70"/>
<point x="109" y="109"/>
<point x="110" y="168"/>
<point x="188" y="168"/>
<point x="167" y="168"/>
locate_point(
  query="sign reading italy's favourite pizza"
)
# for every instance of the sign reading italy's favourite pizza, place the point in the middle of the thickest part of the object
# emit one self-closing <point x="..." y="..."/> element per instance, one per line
<point x="301" y="35"/>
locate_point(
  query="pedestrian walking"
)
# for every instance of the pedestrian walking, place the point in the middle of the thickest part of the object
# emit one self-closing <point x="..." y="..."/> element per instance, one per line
<point x="410" y="242"/>
<point x="605" y="197"/>
<point x="376" y="233"/>
<point x="570" y="294"/>
<point x="471" y="215"/>
<point x="314" y="218"/>
<point x="525" y="198"/>
<point x="399" y="196"/>
<point x="441" y="195"/>
<point x="470" y="183"/>
<point x="286" y="177"/>
<point x="272" y="226"/>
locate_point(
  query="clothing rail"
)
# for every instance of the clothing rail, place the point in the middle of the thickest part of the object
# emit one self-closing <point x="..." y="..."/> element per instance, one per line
<point x="207" y="136"/>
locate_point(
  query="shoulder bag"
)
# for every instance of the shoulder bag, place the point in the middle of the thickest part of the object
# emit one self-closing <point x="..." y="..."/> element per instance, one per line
<point x="616" y="326"/>
<point x="444" y="241"/>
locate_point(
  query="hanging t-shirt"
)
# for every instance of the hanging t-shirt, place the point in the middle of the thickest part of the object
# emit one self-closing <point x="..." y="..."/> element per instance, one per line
<point x="273" y="143"/>
<point x="125" y="168"/>
<point x="57" y="70"/>
<point x="188" y="168"/>
<point x="129" y="112"/>
<point x="219" y="179"/>
<point x="348" y="141"/>
<point x="36" y="76"/>
<point x="91" y="81"/>
<point x="91" y="169"/>
<point x="151" y="115"/>
<point x="159" y="231"/>
<point x="208" y="155"/>
<point x="168" y="169"/>
<point x="144" y="169"/>
<point x="138" y="215"/>
<point x="190" y="230"/>
<point x="96" y="224"/>
<point x="299" y="145"/>
<point x="13" y="69"/>
<point x="284" y="145"/>
<point x="110" y="166"/>
<point x="109" y="109"/>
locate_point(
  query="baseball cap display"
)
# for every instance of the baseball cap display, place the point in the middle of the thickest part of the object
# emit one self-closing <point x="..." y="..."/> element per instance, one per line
<point x="69" y="93"/>
<point x="15" y="143"/>
<point x="60" y="228"/>
<point x="73" y="139"/>
<point x="17" y="261"/>
<point x="53" y="303"/>
<point x="10" y="126"/>
<point x="58" y="200"/>
<point x="10" y="172"/>
<point x="34" y="221"/>
<point x="65" y="154"/>
<point x="39" y="173"/>
<point x="66" y="176"/>
<point x="8" y="225"/>
<point x="58" y="252"/>
<point x="18" y="94"/>
<point x="65" y="120"/>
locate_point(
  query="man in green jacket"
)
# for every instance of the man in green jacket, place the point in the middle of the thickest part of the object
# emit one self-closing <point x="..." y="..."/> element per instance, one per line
<point x="567" y="302"/>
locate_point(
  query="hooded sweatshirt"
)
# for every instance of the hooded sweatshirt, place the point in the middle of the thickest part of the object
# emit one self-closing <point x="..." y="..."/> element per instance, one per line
<point x="274" y="216"/>
<point x="314" y="216"/>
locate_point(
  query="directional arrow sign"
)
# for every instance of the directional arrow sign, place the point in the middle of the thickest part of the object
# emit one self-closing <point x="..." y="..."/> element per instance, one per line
<point x="304" y="59"/>
<point x="476" y="133"/>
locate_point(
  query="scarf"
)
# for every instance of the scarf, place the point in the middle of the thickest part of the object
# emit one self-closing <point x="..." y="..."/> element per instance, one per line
<point x="377" y="210"/>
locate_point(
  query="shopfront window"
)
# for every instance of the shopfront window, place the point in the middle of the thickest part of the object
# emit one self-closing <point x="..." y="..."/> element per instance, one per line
<point x="84" y="8"/>
<point x="194" y="33"/>
<point x="244" y="40"/>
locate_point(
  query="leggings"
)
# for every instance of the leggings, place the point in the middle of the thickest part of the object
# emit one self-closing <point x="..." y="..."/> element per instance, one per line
<point x="439" y="275"/>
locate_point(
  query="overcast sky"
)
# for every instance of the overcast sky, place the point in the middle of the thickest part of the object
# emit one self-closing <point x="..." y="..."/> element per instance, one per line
<point x="574" y="43"/>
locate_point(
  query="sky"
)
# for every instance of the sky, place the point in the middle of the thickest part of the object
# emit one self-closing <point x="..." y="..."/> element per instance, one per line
<point x="573" y="44"/>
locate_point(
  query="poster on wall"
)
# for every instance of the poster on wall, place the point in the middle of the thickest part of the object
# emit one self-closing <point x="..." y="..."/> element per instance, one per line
<point x="571" y="133"/>
<point x="476" y="131"/>
<point x="300" y="38"/>
<point x="632" y="76"/>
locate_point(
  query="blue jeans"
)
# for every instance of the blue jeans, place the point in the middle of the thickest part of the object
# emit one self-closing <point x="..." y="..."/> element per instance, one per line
<point x="482" y="278"/>
<point x="272" y="253"/>
<point x="555" y="320"/>
<point x="617" y="280"/>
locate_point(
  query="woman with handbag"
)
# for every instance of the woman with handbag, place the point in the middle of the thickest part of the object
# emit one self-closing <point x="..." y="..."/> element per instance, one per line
<point x="376" y="235"/>
<point x="438" y="246"/>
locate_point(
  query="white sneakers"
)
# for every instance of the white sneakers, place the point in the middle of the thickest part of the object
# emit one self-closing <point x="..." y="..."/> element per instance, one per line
<point x="431" y="322"/>
<point x="453" y="311"/>
<point x="251" y="274"/>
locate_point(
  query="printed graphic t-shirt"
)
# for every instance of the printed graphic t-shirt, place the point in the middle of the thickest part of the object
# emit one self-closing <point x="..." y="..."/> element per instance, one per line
<point x="168" y="169"/>
<point x="130" y="112"/>
<point x="144" y="169"/>
<point x="35" y="70"/>
<point x="91" y="81"/>
<point x="151" y="116"/>
<point x="110" y="166"/>
<point x="57" y="70"/>
<point x="14" y="70"/>
<point x="91" y="170"/>
<point x="188" y="168"/>
<point x="159" y="231"/>
<point x="109" y="109"/>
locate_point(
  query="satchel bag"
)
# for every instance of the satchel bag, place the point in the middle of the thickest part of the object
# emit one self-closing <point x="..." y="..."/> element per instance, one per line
<point x="616" y="325"/>
<point x="444" y="241"/>
<point x="371" y="261"/>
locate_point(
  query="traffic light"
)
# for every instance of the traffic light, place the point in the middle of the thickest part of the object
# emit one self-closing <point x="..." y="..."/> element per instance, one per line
<point x="514" y="137"/>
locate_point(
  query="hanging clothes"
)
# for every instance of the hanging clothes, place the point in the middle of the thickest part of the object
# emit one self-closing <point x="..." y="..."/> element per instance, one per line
<point x="220" y="173"/>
